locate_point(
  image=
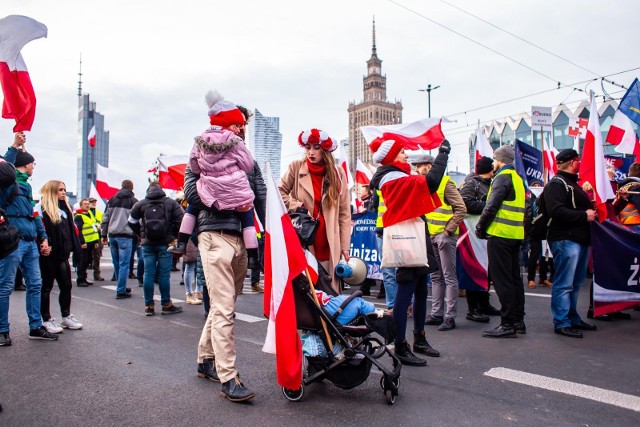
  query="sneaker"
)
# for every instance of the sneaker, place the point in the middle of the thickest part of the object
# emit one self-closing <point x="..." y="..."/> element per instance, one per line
<point x="235" y="391"/>
<point x="70" y="322"/>
<point x="207" y="369"/>
<point x="5" y="339"/>
<point x="52" y="327"/>
<point x="170" y="308"/>
<point x="149" y="310"/>
<point x="255" y="287"/>
<point x="447" y="324"/>
<point x="41" y="334"/>
<point x="192" y="299"/>
<point x="123" y="296"/>
<point x="434" y="320"/>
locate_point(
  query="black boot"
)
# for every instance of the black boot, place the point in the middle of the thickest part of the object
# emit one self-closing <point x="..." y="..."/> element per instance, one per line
<point x="421" y="345"/>
<point x="235" y="391"/>
<point x="253" y="263"/>
<point x="403" y="352"/>
<point x="207" y="369"/>
<point x="476" y="316"/>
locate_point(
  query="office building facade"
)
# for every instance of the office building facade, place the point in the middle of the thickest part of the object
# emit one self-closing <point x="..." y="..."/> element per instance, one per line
<point x="265" y="141"/>
<point x="89" y="157"/>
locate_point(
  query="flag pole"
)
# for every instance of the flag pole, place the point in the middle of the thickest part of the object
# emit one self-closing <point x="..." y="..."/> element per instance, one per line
<point x="545" y="172"/>
<point x="315" y="298"/>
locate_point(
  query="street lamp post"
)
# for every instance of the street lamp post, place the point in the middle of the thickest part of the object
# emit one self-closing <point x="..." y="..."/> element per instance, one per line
<point x="428" y="90"/>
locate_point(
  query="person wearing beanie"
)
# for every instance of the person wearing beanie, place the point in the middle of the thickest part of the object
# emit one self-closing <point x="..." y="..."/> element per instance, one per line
<point x="16" y="197"/>
<point x="405" y="197"/>
<point x="474" y="192"/>
<point x="502" y="224"/>
<point x="315" y="185"/>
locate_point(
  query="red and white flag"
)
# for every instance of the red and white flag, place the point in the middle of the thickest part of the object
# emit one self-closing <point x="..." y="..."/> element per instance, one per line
<point x="19" y="98"/>
<point x="171" y="171"/>
<point x="92" y="136"/>
<point x="549" y="160"/>
<point x="622" y="135"/>
<point x="284" y="259"/>
<point x="483" y="148"/>
<point x="342" y="160"/>
<point x="363" y="174"/>
<point x="593" y="167"/>
<point x="93" y="192"/>
<point x="108" y="182"/>
<point x="424" y="134"/>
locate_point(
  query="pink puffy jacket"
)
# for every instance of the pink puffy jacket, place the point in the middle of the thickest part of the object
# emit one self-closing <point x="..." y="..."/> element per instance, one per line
<point x="222" y="160"/>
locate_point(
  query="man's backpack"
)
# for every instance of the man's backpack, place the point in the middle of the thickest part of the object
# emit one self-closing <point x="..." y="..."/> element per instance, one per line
<point x="9" y="234"/>
<point x="538" y="221"/>
<point x="156" y="224"/>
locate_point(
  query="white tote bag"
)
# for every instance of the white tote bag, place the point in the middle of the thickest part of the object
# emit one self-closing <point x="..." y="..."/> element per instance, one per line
<point x="405" y="244"/>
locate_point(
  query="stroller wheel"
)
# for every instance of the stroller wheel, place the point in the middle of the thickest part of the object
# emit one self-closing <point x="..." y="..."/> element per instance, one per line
<point x="396" y="383"/>
<point x="391" y="398"/>
<point x="293" y="395"/>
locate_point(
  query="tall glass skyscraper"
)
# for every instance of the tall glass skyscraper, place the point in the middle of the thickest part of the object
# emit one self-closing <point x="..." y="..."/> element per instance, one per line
<point x="89" y="156"/>
<point x="265" y="141"/>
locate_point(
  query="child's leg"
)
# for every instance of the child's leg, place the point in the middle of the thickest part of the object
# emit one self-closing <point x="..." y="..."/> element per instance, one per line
<point x="248" y="230"/>
<point x="186" y="228"/>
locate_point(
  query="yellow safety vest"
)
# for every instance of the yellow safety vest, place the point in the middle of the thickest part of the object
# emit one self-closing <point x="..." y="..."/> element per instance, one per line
<point x="382" y="208"/>
<point x="89" y="229"/>
<point x="439" y="218"/>
<point x="98" y="216"/>
<point x="509" y="221"/>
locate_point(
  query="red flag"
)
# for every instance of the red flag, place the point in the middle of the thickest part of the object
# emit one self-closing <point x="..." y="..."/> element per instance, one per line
<point x="483" y="148"/>
<point x="108" y="182"/>
<point x="593" y="167"/>
<point x="549" y="160"/>
<point x="284" y="259"/>
<point x="622" y="135"/>
<point x="92" y="136"/>
<point x="171" y="171"/>
<point x="424" y="134"/>
<point x="342" y="160"/>
<point x="363" y="174"/>
<point x="19" y="98"/>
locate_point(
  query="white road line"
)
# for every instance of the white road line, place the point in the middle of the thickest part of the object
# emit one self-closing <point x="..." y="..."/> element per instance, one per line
<point x="597" y="394"/>
<point x="155" y="297"/>
<point x="248" y="318"/>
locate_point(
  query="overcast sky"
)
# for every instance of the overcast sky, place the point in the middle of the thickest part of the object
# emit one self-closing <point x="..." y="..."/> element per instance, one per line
<point x="148" y="64"/>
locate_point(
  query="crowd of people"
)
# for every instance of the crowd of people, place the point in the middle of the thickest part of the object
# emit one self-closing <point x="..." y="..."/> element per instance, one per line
<point x="212" y="226"/>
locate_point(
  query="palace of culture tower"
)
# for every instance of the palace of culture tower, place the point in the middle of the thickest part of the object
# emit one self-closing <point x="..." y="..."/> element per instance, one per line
<point x="374" y="109"/>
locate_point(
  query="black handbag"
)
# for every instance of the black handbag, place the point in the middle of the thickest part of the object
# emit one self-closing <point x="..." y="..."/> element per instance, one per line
<point x="9" y="236"/>
<point x="305" y="226"/>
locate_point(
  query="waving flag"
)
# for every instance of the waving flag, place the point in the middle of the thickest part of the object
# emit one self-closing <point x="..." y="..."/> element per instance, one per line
<point x="108" y="182"/>
<point x="483" y="148"/>
<point x="363" y="174"/>
<point x="93" y="192"/>
<point x="549" y="158"/>
<point x="342" y="160"/>
<point x="630" y="103"/>
<point x="424" y="134"/>
<point x="622" y="135"/>
<point x="472" y="264"/>
<point x="171" y="171"/>
<point x="593" y="167"/>
<point x="92" y="136"/>
<point x="19" y="98"/>
<point x="284" y="259"/>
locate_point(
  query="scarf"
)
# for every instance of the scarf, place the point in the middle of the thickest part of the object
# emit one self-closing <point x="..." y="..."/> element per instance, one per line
<point x="321" y="243"/>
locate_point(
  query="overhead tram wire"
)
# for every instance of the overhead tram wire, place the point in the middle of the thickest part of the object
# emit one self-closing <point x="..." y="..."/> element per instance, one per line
<point x="540" y="73"/>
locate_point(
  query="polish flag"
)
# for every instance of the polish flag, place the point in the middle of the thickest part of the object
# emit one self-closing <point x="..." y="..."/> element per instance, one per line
<point x="363" y="174"/>
<point x="19" y="98"/>
<point x="92" y="136"/>
<point x="108" y="182"/>
<point x="284" y="259"/>
<point x="424" y="134"/>
<point x="483" y="148"/>
<point x="93" y="192"/>
<point x="622" y="135"/>
<point x="342" y="159"/>
<point x="549" y="160"/>
<point x="406" y="197"/>
<point x="171" y="171"/>
<point x="593" y="167"/>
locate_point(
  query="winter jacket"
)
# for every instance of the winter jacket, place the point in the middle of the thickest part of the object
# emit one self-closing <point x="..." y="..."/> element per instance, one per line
<point x="296" y="190"/>
<point x="474" y="192"/>
<point x="567" y="222"/>
<point x="115" y="222"/>
<point x="173" y="216"/>
<point x="501" y="189"/>
<point x="222" y="160"/>
<point x="62" y="236"/>
<point x="259" y="190"/>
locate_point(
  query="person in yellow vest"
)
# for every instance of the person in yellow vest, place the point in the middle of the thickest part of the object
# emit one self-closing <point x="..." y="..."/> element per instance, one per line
<point x="86" y="223"/>
<point x="502" y="224"/>
<point x="97" y="249"/>
<point x="443" y="227"/>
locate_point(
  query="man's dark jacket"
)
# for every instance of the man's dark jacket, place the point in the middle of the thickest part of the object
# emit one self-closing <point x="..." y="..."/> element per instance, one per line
<point x="567" y="222"/>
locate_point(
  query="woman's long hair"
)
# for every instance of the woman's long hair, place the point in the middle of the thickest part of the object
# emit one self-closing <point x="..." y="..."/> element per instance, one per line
<point x="49" y="200"/>
<point x="333" y="186"/>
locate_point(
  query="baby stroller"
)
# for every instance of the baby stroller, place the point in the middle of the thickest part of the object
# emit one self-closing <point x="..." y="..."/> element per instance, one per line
<point x="358" y="348"/>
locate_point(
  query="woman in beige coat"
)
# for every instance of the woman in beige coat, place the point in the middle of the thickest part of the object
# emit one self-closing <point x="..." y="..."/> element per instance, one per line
<point x="315" y="183"/>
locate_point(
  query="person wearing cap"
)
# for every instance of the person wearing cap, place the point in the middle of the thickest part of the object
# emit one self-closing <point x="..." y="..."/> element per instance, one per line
<point x="571" y="211"/>
<point x="315" y="184"/>
<point x="408" y="197"/>
<point x="474" y="192"/>
<point x="18" y="205"/>
<point x="86" y="223"/>
<point x="443" y="225"/>
<point x="502" y="224"/>
<point x="97" y="249"/>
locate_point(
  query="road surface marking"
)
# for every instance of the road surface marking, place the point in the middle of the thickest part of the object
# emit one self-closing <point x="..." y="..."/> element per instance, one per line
<point x="248" y="318"/>
<point x="155" y="297"/>
<point x="602" y="395"/>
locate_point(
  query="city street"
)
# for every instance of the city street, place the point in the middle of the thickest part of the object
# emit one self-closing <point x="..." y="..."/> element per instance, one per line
<point x="127" y="369"/>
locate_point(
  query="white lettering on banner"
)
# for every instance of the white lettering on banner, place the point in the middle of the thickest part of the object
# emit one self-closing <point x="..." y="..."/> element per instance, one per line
<point x="365" y="254"/>
<point x="635" y="269"/>
<point x="534" y="173"/>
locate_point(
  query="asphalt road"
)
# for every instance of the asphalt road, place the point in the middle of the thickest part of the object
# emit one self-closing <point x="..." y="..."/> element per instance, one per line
<point x="127" y="369"/>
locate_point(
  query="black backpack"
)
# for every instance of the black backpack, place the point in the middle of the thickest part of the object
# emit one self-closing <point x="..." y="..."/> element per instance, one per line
<point x="156" y="224"/>
<point x="537" y="221"/>
<point x="9" y="234"/>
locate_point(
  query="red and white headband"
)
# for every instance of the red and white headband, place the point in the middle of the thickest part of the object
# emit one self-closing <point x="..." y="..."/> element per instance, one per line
<point x="316" y="136"/>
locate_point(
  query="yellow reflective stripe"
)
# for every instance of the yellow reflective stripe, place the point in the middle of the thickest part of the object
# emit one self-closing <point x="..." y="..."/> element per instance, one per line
<point x="436" y="222"/>
<point x="440" y="217"/>
<point x="509" y="220"/>
<point x="507" y="207"/>
<point x="515" y="223"/>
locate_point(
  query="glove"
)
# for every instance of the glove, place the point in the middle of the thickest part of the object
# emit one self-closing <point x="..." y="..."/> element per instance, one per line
<point x="445" y="147"/>
<point x="481" y="234"/>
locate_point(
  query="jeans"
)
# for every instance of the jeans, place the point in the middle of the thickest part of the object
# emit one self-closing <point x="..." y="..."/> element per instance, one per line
<point x="570" y="259"/>
<point x="140" y="265"/>
<point x="157" y="258"/>
<point x="388" y="279"/>
<point x="121" y="254"/>
<point x="189" y="277"/>
<point x="27" y="257"/>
